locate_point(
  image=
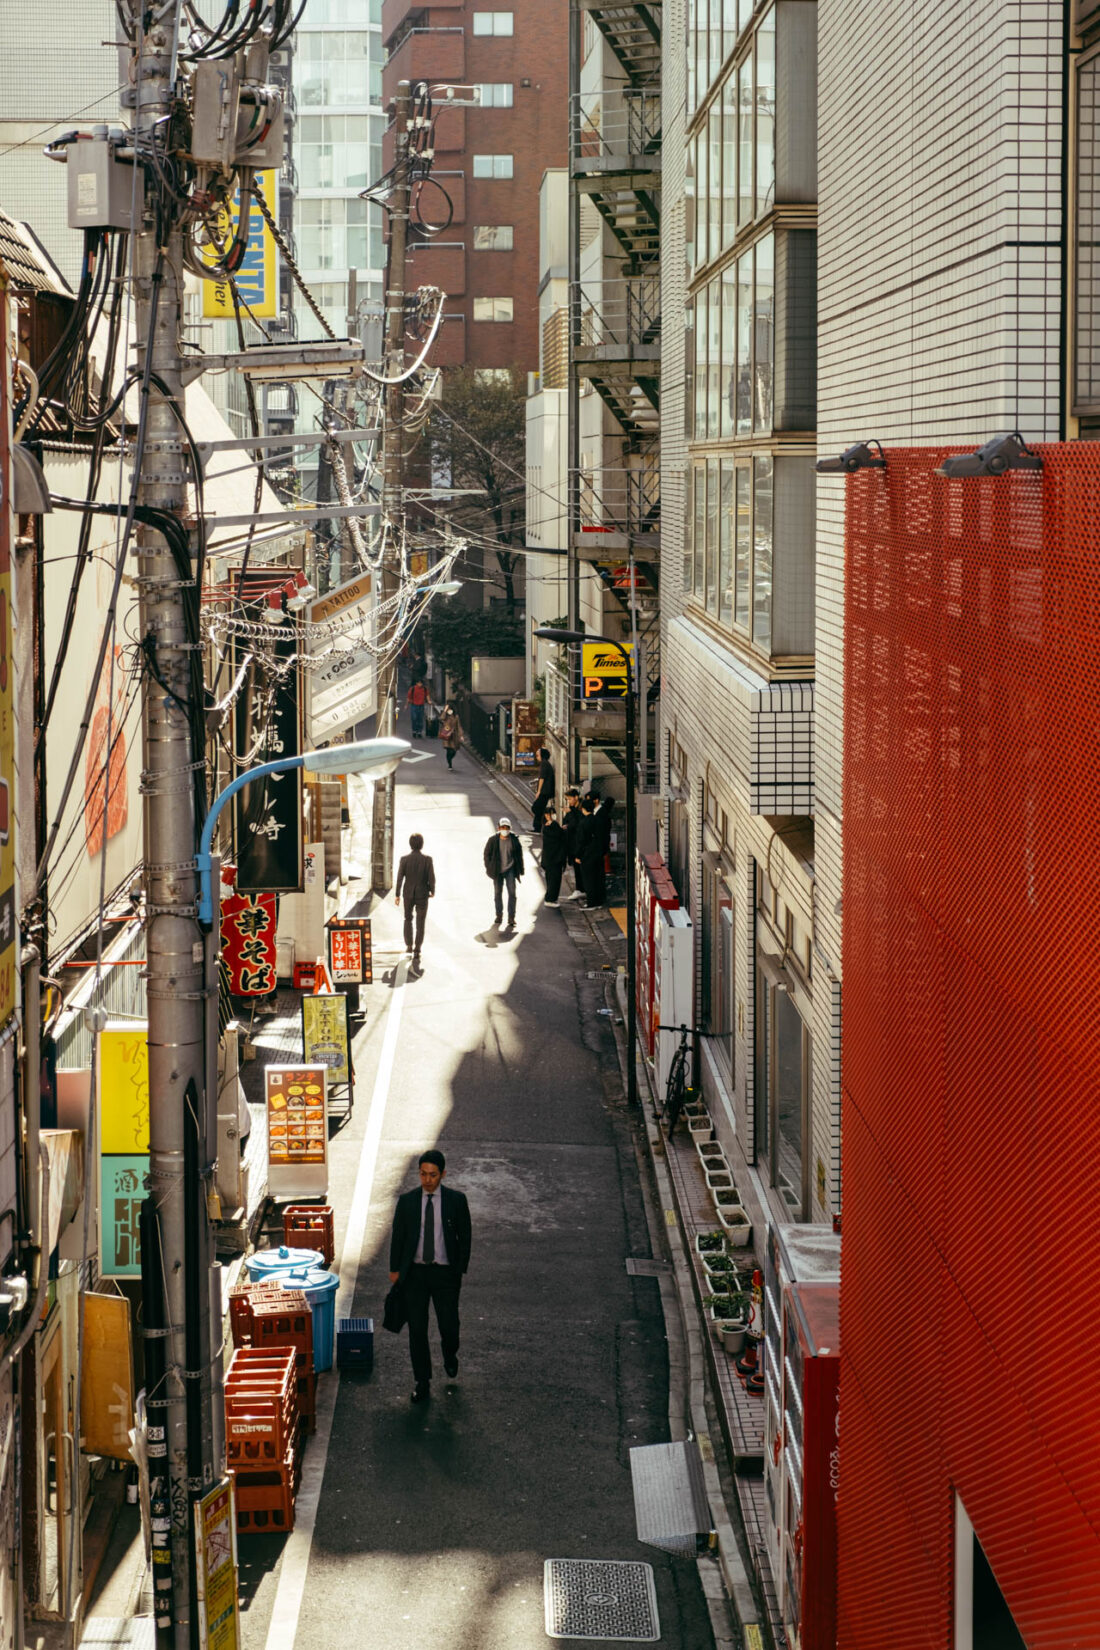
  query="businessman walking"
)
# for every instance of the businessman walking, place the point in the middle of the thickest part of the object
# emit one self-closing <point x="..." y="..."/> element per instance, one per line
<point x="429" y="1254"/>
<point x="416" y="877"/>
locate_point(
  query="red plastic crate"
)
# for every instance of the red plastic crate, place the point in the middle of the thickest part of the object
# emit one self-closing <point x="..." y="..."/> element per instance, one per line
<point x="265" y="1497"/>
<point x="309" y="1226"/>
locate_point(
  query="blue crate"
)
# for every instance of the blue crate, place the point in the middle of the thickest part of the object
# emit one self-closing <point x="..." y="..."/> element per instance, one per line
<point x="355" y="1344"/>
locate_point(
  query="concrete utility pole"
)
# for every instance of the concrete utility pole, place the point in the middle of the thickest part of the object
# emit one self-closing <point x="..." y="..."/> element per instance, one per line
<point x="392" y="470"/>
<point x="185" y="1403"/>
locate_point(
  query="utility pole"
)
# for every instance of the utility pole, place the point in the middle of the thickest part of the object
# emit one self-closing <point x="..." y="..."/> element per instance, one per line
<point x="185" y="1403"/>
<point x="392" y="470"/>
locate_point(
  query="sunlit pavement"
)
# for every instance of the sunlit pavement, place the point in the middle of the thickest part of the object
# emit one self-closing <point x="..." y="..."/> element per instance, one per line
<point x="433" y="1522"/>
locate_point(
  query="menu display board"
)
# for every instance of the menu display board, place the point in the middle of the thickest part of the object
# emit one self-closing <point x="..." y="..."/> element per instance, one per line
<point x="349" y="951"/>
<point x="297" y="1130"/>
<point x="325" y="1034"/>
<point x="216" y="1569"/>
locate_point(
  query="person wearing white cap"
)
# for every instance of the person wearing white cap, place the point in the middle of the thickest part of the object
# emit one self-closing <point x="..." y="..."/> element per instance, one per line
<point x="504" y="867"/>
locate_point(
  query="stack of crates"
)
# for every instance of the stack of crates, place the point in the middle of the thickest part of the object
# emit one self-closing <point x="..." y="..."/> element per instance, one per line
<point x="262" y="1438"/>
<point x="241" y="1302"/>
<point x="309" y="1226"/>
<point x="285" y="1323"/>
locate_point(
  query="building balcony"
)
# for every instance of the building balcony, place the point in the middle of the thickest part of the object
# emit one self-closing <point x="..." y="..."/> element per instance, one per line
<point x="439" y="263"/>
<point x="616" y="512"/>
<point x="617" y="321"/>
<point x="615" y="131"/>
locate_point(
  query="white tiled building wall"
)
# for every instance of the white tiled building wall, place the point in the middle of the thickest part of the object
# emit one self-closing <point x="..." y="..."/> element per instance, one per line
<point x="939" y="284"/>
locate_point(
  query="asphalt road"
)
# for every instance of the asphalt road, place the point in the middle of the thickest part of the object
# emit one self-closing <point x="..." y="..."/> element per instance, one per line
<point x="433" y="1522"/>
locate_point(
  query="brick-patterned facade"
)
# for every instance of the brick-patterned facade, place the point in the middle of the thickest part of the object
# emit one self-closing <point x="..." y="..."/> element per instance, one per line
<point x="438" y="44"/>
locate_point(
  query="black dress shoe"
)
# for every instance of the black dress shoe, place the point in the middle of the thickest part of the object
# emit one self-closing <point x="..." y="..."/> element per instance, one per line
<point x="451" y="1367"/>
<point x="421" y="1392"/>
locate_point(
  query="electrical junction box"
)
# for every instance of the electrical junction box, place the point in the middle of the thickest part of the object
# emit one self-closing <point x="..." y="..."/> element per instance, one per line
<point x="103" y="189"/>
<point x="215" y="103"/>
<point x="270" y="151"/>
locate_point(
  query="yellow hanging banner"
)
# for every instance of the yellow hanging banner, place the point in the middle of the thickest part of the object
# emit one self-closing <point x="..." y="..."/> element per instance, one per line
<point x="257" y="278"/>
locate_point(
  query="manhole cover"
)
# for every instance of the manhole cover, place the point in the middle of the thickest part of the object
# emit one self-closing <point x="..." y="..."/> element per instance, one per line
<point x="588" y="1598"/>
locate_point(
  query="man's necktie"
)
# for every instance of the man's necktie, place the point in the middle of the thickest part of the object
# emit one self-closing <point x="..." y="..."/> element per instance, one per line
<point x="429" y="1233"/>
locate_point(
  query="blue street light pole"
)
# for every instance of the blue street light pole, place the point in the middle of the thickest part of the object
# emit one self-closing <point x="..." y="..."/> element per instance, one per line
<point x="377" y="757"/>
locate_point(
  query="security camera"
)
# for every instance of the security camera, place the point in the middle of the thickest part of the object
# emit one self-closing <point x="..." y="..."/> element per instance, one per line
<point x="859" y="457"/>
<point x="1004" y="452"/>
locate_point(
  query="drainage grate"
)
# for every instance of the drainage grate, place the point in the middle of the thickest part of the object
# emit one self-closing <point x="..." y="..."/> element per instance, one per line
<point x="590" y="1598"/>
<point x="641" y="1266"/>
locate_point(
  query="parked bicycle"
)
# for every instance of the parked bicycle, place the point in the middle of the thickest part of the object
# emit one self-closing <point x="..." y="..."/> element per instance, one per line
<point x="678" y="1091"/>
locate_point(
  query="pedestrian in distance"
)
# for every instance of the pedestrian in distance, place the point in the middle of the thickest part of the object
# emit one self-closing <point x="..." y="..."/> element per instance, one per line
<point x="431" y="717"/>
<point x="573" y="826"/>
<point x="429" y="1255"/>
<point x="417" y="699"/>
<point x="450" y="733"/>
<point x="504" y="866"/>
<point x="416" y="880"/>
<point x="555" y="849"/>
<point x="592" y="855"/>
<point x="544" y="792"/>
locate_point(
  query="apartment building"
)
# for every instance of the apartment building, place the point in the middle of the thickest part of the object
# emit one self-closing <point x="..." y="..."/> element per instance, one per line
<point x="506" y="126"/>
<point x="737" y="586"/>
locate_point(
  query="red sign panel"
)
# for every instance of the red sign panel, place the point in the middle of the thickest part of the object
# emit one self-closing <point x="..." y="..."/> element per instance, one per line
<point x="349" y="950"/>
<point x="248" y="939"/>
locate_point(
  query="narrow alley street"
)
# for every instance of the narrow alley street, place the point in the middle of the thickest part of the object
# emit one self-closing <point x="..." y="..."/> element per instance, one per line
<point x="432" y="1522"/>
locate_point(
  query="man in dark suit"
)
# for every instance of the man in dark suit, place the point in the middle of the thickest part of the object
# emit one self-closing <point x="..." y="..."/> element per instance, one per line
<point x="429" y="1254"/>
<point x="416" y="875"/>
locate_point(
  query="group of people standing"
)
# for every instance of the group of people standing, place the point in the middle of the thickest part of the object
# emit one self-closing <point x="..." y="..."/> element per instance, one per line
<point x="580" y="840"/>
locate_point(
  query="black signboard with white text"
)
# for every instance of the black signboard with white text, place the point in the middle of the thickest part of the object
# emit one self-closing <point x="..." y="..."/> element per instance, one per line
<point x="267" y="815"/>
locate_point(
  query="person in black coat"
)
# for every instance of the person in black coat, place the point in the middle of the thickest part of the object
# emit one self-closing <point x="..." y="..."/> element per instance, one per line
<point x="573" y="826"/>
<point x="416" y="877"/>
<point x="429" y="1255"/>
<point x="545" y="791"/>
<point x="503" y="859"/>
<point x="592" y="855"/>
<point x="555" y="849"/>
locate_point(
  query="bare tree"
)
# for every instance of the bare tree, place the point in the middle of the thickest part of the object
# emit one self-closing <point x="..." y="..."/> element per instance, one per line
<point x="478" y="440"/>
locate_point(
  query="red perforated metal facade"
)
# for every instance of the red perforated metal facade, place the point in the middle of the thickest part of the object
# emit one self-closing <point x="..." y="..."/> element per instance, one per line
<point x="969" y="1321"/>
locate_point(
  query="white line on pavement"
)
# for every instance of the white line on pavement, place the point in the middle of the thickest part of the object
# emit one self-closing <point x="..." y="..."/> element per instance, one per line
<point x="283" y="1627"/>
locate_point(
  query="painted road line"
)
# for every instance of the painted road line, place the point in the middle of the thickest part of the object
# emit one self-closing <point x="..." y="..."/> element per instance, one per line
<point x="292" y="1576"/>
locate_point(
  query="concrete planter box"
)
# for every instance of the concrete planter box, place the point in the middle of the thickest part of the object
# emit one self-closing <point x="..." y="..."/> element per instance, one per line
<point x="701" y="1127"/>
<point x="736" y="1223"/>
<point x="720" y="1180"/>
<point x="709" y="1243"/>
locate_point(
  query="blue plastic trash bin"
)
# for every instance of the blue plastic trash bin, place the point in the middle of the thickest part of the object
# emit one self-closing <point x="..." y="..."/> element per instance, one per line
<point x="319" y="1288"/>
<point x="268" y="1264"/>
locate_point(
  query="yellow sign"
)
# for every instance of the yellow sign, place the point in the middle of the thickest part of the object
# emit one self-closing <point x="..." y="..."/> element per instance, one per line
<point x="124" y="1090"/>
<point x="257" y="277"/>
<point x="603" y="670"/>
<point x="325" y="1034"/>
<point x="107" y="1377"/>
<point x="216" y="1569"/>
<point x="8" y="926"/>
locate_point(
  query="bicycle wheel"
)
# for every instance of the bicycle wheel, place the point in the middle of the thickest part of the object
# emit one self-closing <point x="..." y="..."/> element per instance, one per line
<point x="675" y="1089"/>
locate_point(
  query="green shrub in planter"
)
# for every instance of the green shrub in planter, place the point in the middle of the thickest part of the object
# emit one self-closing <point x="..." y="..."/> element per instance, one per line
<point x="710" y="1243"/>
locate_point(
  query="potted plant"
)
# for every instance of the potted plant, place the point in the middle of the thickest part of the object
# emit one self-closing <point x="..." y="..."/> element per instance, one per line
<point x="735" y="1222"/>
<point x="719" y="1179"/>
<point x="727" y="1314"/>
<point x="700" y="1125"/>
<point x="710" y="1244"/>
<point x="708" y="1149"/>
<point x="720" y="1270"/>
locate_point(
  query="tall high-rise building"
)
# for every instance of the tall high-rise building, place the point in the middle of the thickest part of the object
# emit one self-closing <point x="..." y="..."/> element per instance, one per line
<point x="489" y="162"/>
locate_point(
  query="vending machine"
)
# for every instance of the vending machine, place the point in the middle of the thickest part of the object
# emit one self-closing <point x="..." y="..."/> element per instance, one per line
<point x="654" y="889"/>
<point x="674" y="983"/>
<point x="811" y="1375"/>
<point x="792" y="1254"/>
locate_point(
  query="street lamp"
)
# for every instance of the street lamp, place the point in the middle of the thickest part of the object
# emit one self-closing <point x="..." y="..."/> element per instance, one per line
<point x="551" y="633"/>
<point x="377" y="757"/>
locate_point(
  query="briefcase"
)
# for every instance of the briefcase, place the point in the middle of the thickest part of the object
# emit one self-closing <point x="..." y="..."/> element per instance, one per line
<point x="395" y="1313"/>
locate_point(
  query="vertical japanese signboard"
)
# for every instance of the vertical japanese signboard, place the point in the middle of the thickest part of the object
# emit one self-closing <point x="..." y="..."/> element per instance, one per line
<point x="216" y="1569"/>
<point x="7" y="723"/>
<point x="123" y="1105"/>
<point x="248" y="950"/>
<point x="325" y="1034"/>
<point x="257" y="277"/>
<point x="297" y="1131"/>
<point x="349" y="951"/>
<point x="268" y="812"/>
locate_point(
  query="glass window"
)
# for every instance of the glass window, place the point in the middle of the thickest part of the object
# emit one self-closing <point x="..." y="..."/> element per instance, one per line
<point x="762" y="553"/>
<point x="714" y="149"/>
<point x="492" y="166"/>
<point x="729" y="160"/>
<point x="332" y="152"/>
<point x="702" y="200"/>
<point x="729" y="26"/>
<point x="743" y="547"/>
<point x="689" y="364"/>
<point x="689" y="535"/>
<point x="701" y="365"/>
<point x="493" y="309"/>
<point x="711" y="581"/>
<point x="744" y="344"/>
<point x="702" y="17"/>
<point x="744" y="13"/>
<point x="765" y="114"/>
<point x="493" y="22"/>
<point x="714" y="358"/>
<point x="492" y="237"/>
<point x="763" y="323"/>
<point x="333" y="67"/>
<point x="715" y="37"/>
<point x="744" y="167"/>
<point x="496" y="94"/>
<point x="728" y="384"/>
<point x="725" y="544"/>
<point x="699" y="536"/>
<point x="692" y="40"/>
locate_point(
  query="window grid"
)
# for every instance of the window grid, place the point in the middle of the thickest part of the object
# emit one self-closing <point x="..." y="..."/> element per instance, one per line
<point x="494" y="22"/>
<point x="493" y="237"/>
<point x="495" y="94"/>
<point x="493" y="309"/>
<point x="493" y="166"/>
